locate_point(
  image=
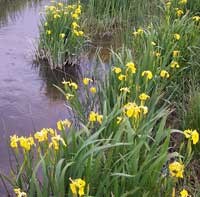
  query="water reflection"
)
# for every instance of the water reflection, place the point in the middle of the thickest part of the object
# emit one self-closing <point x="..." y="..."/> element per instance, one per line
<point x="10" y="10"/>
<point x="55" y="77"/>
<point x="26" y="102"/>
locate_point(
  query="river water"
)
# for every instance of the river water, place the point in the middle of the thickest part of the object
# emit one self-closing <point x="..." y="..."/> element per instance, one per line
<point x="27" y="102"/>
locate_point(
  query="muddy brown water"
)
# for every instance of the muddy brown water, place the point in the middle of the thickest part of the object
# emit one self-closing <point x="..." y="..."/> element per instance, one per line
<point x="27" y="101"/>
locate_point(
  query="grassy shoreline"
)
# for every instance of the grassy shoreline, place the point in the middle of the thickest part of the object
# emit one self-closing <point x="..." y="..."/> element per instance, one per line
<point x="128" y="141"/>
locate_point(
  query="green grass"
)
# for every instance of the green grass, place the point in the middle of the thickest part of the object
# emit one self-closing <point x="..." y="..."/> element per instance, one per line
<point x="191" y="116"/>
<point x="120" y="143"/>
<point x="110" y="16"/>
